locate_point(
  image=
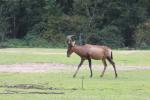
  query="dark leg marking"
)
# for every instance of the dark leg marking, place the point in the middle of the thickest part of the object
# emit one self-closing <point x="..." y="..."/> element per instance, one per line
<point x="105" y="66"/>
<point x="81" y="62"/>
<point x="90" y="66"/>
<point x="113" y="64"/>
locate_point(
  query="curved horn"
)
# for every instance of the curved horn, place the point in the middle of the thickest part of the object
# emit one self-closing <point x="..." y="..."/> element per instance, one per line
<point x="69" y="37"/>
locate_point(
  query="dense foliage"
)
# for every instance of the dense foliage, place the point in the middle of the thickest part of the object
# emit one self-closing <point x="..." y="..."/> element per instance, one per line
<point x="45" y="23"/>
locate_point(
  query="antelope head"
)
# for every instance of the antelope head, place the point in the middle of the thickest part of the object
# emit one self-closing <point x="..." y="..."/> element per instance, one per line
<point x="70" y="44"/>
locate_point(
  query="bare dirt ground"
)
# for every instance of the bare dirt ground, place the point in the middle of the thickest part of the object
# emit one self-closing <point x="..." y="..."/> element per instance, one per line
<point x="45" y="67"/>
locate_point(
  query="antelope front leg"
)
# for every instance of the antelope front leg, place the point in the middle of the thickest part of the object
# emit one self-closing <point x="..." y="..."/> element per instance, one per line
<point x="81" y="62"/>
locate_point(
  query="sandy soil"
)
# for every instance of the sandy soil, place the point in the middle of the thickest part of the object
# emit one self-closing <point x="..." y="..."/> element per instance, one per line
<point x="45" y="67"/>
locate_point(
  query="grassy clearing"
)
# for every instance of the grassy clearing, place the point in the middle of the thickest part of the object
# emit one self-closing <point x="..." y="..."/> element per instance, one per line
<point x="131" y="85"/>
<point x="40" y="55"/>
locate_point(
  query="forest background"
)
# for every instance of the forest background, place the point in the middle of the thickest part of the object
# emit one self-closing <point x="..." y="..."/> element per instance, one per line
<point x="46" y="23"/>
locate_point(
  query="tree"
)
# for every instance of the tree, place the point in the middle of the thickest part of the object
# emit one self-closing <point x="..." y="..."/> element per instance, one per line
<point x="4" y="24"/>
<point x="142" y="35"/>
<point x="49" y="20"/>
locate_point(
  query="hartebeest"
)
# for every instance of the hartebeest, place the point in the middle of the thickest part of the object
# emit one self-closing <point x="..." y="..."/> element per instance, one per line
<point x="88" y="52"/>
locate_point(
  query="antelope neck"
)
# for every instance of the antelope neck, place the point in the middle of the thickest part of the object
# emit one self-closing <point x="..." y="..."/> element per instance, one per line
<point x="76" y="49"/>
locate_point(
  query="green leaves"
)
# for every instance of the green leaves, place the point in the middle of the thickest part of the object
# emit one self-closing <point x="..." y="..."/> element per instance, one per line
<point x="109" y="22"/>
<point x="142" y="35"/>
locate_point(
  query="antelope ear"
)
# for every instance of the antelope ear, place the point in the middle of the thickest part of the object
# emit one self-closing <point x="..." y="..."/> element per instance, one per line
<point x="73" y="43"/>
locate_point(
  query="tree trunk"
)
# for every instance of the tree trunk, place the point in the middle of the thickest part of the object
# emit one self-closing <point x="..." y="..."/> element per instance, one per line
<point x="14" y="26"/>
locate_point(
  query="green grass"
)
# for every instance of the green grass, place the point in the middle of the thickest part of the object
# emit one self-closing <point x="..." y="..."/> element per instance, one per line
<point x="40" y="55"/>
<point x="131" y="85"/>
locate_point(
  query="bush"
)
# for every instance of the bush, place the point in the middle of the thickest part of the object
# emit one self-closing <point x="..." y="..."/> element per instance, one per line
<point x="142" y="35"/>
<point x="3" y="45"/>
<point x="15" y="43"/>
<point x="38" y="42"/>
<point x="57" y="40"/>
<point x="108" y="36"/>
<point x="54" y="40"/>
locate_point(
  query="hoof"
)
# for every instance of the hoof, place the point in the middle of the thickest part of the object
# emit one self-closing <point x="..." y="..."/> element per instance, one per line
<point x="74" y="76"/>
<point x="101" y="76"/>
<point x="116" y="77"/>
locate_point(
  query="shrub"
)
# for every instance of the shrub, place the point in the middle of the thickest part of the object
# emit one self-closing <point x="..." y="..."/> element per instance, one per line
<point x="3" y="45"/>
<point x="15" y="43"/>
<point x="108" y="36"/>
<point x="142" y="35"/>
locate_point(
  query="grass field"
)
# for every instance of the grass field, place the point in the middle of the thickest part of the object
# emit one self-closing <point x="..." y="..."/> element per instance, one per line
<point x="59" y="84"/>
<point x="37" y="55"/>
<point x="131" y="85"/>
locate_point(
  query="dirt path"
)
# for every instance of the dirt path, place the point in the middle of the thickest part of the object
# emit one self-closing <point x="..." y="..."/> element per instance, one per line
<point x="32" y="67"/>
<point x="45" y="67"/>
